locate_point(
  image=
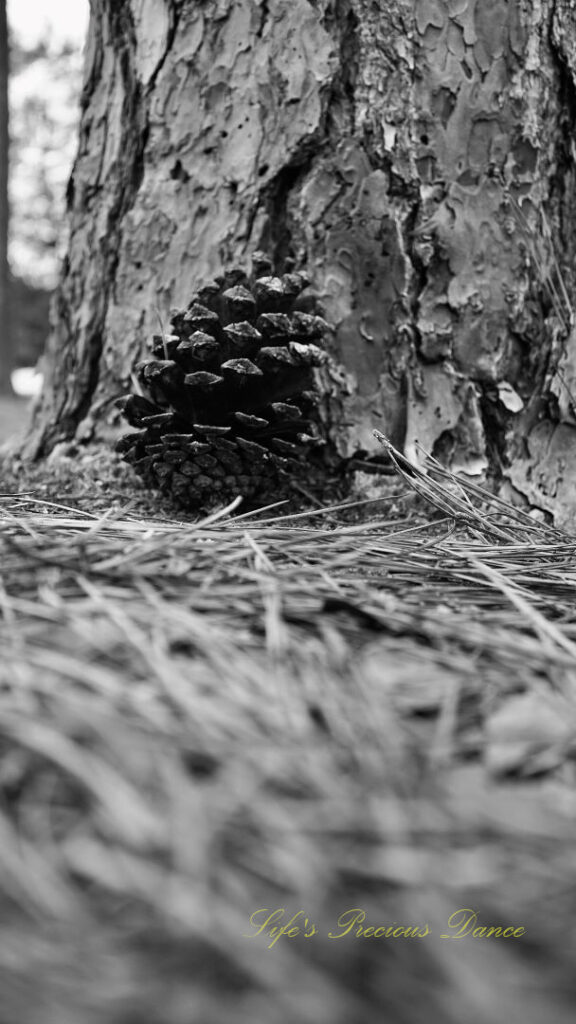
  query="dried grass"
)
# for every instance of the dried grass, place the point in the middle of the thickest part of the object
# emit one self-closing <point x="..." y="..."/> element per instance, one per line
<point x="198" y="720"/>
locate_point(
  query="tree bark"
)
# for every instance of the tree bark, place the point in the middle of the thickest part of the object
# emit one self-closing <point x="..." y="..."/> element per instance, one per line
<point x="6" y="343"/>
<point x="416" y="156"/>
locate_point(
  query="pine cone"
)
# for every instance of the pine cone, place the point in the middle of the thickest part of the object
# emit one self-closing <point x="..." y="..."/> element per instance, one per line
<point x="230" y="404"/>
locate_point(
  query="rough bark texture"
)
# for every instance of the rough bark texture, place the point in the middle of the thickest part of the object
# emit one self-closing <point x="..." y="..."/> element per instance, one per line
<point x="416" y="156"/>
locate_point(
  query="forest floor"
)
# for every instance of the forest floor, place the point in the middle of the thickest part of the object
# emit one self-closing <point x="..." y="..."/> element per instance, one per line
<point x="354" y="719"/>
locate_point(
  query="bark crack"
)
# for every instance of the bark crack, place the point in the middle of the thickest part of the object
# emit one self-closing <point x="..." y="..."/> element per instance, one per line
<point x="175" y="12"/>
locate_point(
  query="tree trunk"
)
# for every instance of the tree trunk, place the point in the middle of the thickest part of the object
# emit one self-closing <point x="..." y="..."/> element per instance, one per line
<point x="416" y="156"/>
<point x="6" y="344"/>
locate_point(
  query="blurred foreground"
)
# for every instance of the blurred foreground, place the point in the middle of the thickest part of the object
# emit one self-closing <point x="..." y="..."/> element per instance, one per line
<point x="203" y="723"/>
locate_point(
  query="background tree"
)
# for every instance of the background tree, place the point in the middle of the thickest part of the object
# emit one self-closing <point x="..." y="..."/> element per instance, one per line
<point x="417" y="157"/>
<point x="45" y="86"/>
<point x="6" y="344"/>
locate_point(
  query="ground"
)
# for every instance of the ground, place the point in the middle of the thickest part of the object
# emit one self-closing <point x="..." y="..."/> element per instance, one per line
<point x="364" y="717"/>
